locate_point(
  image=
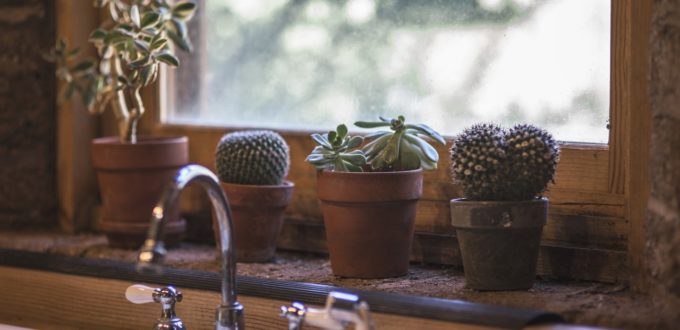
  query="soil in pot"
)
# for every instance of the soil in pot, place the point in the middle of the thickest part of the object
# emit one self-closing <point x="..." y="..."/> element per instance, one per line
<point x="131" y="179"/>
<point x="369" y="220"/>
<point x="258" y="213"/>
<point x="499" y="241"/>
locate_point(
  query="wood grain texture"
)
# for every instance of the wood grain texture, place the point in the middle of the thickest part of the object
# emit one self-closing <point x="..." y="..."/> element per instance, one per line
<point x="76" y="183"/>
<point x="78" y="302"/>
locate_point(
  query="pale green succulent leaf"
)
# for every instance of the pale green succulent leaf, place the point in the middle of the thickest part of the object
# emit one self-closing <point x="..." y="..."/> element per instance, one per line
<point x="371" y="124"/>
<point x="321" y="140"/>
<point x="428" y="151"/>
<point x="427" y="131"/>
<point x="134" y="15"/>
<point x="355" y="142"/>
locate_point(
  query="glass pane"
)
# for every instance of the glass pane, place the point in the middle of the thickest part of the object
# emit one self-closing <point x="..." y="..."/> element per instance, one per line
<point x="312" y="64"/>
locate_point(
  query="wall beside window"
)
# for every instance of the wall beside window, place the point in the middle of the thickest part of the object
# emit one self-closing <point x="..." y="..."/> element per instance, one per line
<point x="27" y="115"/>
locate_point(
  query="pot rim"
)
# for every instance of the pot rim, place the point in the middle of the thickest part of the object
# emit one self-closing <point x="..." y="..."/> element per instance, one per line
<point x="285" y="184"/>
<point x="465" y="201"/>
<point x="141" y="140"/>
<point x="393" y="173"/>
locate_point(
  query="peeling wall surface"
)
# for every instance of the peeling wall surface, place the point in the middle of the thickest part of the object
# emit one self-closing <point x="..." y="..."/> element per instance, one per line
<point x="663" y="231"/>
<point x="27" y="114"/>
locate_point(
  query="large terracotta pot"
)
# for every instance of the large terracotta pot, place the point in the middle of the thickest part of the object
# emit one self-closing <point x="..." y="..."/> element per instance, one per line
<point x="131" y="178"/>
<point x="258" y="213"/>
<point x="499" y="241"/>
<point x="369" y="220"/>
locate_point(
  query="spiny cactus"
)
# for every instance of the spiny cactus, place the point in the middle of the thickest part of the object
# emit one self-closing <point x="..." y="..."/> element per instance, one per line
<point x="533" y="155"/>
<point x="491" y="163"/>
<point x="477" y="158"/>
<point x="252" y="157"/>
<point x="333" y="151"/>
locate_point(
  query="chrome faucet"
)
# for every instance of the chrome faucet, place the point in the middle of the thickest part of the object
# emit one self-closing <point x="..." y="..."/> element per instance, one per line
<point x="230" y="311"/>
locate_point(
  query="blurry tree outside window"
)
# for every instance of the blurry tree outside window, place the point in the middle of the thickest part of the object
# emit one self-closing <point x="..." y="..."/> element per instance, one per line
<point x="311" y="64"/>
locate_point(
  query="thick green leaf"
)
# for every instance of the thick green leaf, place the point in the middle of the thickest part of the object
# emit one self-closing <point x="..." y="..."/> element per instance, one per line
<point x="371" y="124"/>
<point x="353" y="168"/>
<point x="168" y="58"/>
<point x="139" y="63"/>
<point x="134" y="15"/>
<point x="183" y="43"/>
<point x="342" y="131"/>
<point x="427" y="149"/>
<point x="409" y="157"/>
<point x="184" y="10"/>
<point x="98" y="34"/>
<point x="427" y="131"/>
<point x="142" y="46"/>
<point x="149" y="19"/>
<point x="321" y="140"/>
<point x="354" y="142"/>
<point x="374" y="147"/>
<point x="116" y="37"/>
<point x="159" y="43"/>
<point x="179" y="26"/>
<point x="332" y="137"/>
<point x="147" y="74"/>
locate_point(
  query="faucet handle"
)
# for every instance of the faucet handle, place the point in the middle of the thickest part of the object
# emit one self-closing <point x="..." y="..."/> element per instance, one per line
<point x="340" y="310"/>
<point x="167" y="297"/>
<point x="139" y="294"/>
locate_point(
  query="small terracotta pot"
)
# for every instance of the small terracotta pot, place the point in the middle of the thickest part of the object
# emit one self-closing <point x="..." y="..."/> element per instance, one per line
<point x="369" y="218"/>
<point x="258" y="213"/>
<point x="131" y="178"/>
<point x="499" y="241"/>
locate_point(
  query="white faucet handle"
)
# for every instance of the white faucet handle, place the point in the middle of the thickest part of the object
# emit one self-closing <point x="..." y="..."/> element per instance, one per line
<point x="139" y="294"/>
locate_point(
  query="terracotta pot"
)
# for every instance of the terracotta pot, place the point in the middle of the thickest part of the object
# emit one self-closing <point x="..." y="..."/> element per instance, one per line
<point x="257" y="218"/>
<point x="131" y="178"/>
<point x="369" y="220"/>
<point x="499" y="241"/>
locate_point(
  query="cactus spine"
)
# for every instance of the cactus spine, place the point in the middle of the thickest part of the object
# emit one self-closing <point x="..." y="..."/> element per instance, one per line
<point x="252" y="157"/>
<point x="491" y="163"/>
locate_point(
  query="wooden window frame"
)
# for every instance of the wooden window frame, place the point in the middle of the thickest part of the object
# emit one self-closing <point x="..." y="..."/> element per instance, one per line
<point x="598" y="203"/>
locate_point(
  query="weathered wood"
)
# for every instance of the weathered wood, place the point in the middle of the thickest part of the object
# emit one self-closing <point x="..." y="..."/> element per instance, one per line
<point x="555" y="259"/>
<point x="76" y="183"/>
<point x="631" y="134"/>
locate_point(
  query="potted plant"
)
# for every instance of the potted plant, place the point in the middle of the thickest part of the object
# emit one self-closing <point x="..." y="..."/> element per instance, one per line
<point x="131" y="170"/>
<point x="368" y="196"/>
<point x="252" y="166"/>
<point x="499" y="222"/>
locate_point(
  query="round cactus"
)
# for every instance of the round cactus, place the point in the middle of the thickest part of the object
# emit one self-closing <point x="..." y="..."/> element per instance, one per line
<point x="252" y="157"/>
<point x="491" y="163"/>
<point x="477" y="157"/>
<point x="533" y="155"/>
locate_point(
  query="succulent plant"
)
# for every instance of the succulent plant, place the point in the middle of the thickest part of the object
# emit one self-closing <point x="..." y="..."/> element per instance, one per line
<point x="333" y="151"/>
<point x="131" y="45"/>
<point x="491" y="163"/>
<point x="252" y="157"/>
<point x="402" y="148"/>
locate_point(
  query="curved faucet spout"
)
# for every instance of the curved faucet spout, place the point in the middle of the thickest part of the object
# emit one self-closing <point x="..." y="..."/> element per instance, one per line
<point x="230" y="311"/>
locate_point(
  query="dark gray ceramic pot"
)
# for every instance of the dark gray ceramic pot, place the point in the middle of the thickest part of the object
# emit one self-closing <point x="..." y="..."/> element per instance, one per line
<point x="499" y="241"/>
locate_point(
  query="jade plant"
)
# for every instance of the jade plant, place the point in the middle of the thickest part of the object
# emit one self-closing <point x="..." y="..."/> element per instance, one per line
<point x="253" y="158"/>
<point x="131" y="44"/>
<point x="496" y="164"/>
<point x="402" y="148"/>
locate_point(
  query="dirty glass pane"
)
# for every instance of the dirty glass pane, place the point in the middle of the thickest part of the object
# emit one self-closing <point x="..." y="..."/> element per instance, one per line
<point x="312" y="64"/>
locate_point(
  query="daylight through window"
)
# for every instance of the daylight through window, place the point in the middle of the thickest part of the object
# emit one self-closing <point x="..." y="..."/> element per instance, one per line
<point x="311" y="64"/>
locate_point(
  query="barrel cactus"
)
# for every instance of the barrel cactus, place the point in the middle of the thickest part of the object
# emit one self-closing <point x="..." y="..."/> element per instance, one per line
<point x="491" y="163"/>
<point x="252" y="157"/>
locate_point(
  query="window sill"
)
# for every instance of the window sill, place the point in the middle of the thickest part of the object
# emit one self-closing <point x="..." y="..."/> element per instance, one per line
<point x="586" y="303"/>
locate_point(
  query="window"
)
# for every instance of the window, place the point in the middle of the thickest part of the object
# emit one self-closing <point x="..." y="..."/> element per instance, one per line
<point x="315" y="63"/>
<point x="596" y="218"/>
